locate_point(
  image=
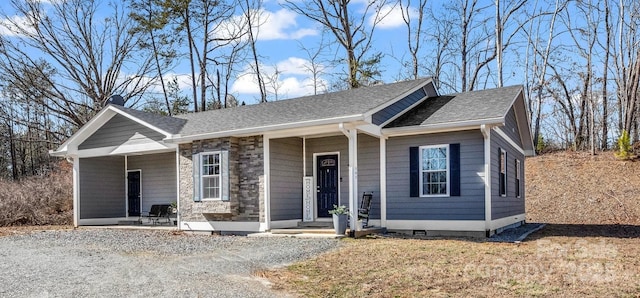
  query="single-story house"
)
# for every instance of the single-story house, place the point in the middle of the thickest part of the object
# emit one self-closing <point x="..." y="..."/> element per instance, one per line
<point x="435" y="163"/>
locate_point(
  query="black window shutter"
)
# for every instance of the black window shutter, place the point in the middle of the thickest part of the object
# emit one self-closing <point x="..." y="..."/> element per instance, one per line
<point x="414" y="172"/>
<point x="454" y="163"/>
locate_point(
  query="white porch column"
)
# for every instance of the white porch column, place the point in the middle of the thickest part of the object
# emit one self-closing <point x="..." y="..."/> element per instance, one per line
<point x="352" y="136"/>
<point x="383" y="181"/>
<point x="486" y="133"/>
<point x="76" y="190"/>
<point x="353" y="177"/>
<point x="267" y="183"/>
<point x="178" y="216"/>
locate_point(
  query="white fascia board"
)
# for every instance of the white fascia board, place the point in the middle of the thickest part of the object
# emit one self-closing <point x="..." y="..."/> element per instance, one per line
<point x="401" y="96"/>
<point x="58" y="153"/>
<point x="146" y="148"/>
<point x="444" y="127"/>
<point x="178" y="139"/>
<point x="509" y="140"/>
<point x="370" y="129"/>
<point x="519" y="99"/>
<point x="94" y="124"/>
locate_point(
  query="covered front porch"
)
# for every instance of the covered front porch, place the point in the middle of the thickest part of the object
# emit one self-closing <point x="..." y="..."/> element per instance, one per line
<point x="114" y="189"/>
<point x="311" y="170"/>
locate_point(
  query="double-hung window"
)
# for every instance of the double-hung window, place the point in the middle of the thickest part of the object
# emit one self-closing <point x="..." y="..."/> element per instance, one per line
<point x="210" y="175"/>
<point x="434" y="170"/>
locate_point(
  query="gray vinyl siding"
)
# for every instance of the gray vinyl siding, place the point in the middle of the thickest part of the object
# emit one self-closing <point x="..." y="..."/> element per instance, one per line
<point x="509" y="205"/>
<point x="286" y="178"/>
<point x="468" y="206"/>
<point x="369" y="171"/>
<point x="102" y="187"/>
<point x="119" y="130"/>
<point x="158" y="177"/>
<point x="511" y="127"/>
<point x="397" y="107"/>
<point x="332" y="144"/>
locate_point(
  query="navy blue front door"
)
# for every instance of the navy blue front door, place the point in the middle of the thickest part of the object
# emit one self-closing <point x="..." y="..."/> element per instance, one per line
<point x="327" y="179"/>
<point x="133" y="191"/>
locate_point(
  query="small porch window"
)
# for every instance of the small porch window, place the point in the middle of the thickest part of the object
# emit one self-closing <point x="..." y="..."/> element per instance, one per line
<point x="518" y="177"/>
<point x="503" y="173"/>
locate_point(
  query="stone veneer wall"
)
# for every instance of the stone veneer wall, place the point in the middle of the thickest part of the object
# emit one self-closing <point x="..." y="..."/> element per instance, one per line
<point x="246" y="181"/>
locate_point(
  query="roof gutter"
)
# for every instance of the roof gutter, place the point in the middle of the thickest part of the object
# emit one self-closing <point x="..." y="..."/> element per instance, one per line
<point x="178" y="139"/>
<point x="443" y="127"/>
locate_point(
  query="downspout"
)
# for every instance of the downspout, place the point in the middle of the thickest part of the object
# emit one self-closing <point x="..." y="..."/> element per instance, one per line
<point x="383" y="181"/>
<point x="486" y="134"/>
<point x="352" y="136"/>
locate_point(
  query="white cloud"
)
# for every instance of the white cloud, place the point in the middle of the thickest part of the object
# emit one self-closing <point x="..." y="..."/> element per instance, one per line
<point x="293" y="80"/>
<point x="14" y="25"/>
<point x="391" y="16"/>
<point x="281" y="24"/>
<point x="278" y="25"/>
<point x="295" y="66"/>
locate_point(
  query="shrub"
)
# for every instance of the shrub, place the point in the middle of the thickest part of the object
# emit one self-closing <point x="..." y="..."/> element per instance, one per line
<point x="624" y="150"/>
<point x="541" y="145"/>
<point x="38" y="200"/>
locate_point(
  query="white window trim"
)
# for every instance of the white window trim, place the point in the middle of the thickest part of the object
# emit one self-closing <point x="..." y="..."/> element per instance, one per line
<point x="447" y="194"/>
<point x="506" y="173"/>
<point x="519" y="178"/>
<point x="202" y="176"/>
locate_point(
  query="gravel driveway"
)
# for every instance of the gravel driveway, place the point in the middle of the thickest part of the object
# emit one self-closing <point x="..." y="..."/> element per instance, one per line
<point x="130" y="263"/>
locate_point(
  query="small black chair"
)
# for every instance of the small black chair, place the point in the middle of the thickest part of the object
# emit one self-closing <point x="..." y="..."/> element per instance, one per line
<point x="159" y="212"/>
<point x="365" y="208"/>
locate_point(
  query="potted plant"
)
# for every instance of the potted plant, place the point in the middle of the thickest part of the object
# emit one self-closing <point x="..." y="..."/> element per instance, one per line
<point x="173" y="212"/>
<point x="340" y="214"/>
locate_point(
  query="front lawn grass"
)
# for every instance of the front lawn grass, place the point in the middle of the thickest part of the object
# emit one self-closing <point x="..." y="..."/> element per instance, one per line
<point x="560" y="260"/>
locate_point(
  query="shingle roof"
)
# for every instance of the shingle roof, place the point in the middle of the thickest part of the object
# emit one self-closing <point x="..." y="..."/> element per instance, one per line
<point x="316" y="107"/>
<point x="468" y="106"/>
<point x="169" y="124"/>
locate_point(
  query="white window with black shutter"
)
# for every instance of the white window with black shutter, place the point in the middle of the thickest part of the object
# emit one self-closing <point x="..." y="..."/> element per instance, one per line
<point x="435" y="170"/>
<point x="502" y="175"/>
<point x="211" y="176"/>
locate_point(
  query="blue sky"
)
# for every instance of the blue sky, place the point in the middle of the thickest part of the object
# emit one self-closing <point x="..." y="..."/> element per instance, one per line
<point x="281" y="39"/>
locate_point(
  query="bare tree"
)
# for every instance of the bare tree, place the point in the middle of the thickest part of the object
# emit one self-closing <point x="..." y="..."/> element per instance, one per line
<point x="209" y="28"/>
<point x="502" y="17"/>
<point x="251" y="11"/>
<point x="349" y="26"/>
<point x="605" y="76"/>
<point x="627" y="74"/>
<point x="540" y="68"/>
<point x="415" y="29"/>
<point x="90" y="58"/>
<point x="315" y="67"/>
<point x="439" y="57"/>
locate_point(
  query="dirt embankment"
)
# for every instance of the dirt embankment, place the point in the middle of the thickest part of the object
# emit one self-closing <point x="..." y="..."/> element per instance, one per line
<point x="577" y="188"/>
